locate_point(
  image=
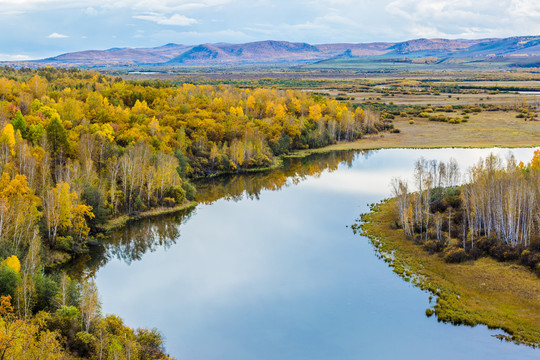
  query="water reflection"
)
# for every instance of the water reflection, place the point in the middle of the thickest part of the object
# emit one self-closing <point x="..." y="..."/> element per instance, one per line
<point x="139" y="237"/>
<point x="293" y="171"/>
<point x="146" y="235"/>
<point x="132" y="242"/>
<point x="278" y="275"/>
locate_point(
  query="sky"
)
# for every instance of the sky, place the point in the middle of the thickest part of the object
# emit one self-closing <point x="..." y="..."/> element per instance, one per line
<point x="33" y="29"/>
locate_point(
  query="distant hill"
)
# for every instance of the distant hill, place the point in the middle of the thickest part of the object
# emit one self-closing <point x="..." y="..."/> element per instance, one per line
<point x="283" y="52"/>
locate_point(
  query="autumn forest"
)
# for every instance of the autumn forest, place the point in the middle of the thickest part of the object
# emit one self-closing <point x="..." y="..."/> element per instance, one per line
<point x="78" y="149"/>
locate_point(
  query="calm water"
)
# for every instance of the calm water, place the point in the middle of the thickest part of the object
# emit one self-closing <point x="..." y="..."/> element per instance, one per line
<point x="266" y="268"/>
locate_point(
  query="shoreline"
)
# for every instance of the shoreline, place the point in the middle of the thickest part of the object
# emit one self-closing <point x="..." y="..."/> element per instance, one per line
<point x="357" y="145"/>
<point x="122" y="220"/>
<point x="500" y="295"/>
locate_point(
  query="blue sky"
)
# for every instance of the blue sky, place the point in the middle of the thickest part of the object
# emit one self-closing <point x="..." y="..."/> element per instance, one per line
<point x="33" y="29"/>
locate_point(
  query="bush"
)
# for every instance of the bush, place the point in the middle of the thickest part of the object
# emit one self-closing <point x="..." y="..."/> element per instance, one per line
<point x="68" y="312"/>
<point x="9" y="280"/>
<point x="46" y="289"/>
<point x="168" y="202"/>
<point x="455" y="255"/>
<point x="433" y="246"/>
<point x="177" y="193"/>
<point x="530" y="258"/>
<point x="190" y="190"/>
<point x="503" y="252"/>
<point x="84" y="344"/>
<point x="64" y="243"/>
<point x="475" y="253"/>
<point x="485" y="244"/>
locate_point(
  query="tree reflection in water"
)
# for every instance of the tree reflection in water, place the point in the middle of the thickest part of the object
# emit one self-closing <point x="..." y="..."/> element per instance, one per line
<point x="294" y="170"/>
<point x="147" y="235"/>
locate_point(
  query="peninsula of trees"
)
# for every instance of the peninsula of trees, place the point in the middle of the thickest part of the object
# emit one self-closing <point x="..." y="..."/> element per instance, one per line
<point x="496" y="212"/>
<point x="475" y="247"/>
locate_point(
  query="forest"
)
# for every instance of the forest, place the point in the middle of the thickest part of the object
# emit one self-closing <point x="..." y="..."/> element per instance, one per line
<point x="78" y="149"/>
<point x="494" y="213"/>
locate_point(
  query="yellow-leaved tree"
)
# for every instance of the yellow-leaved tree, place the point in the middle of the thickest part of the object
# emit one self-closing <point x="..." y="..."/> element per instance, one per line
<point x="12" y="262"/>
<point x="24" y="339"/>
<point x="64" y="216"/>
<point x="535" y="162"/>
<point x="16" y="226"/>
<point x="8" y="138"/>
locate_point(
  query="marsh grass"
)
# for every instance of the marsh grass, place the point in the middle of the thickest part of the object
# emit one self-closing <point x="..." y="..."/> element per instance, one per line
<point x="487" y="129"/>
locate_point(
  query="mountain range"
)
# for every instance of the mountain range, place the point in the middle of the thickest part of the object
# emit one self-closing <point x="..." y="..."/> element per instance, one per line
<point x="283" y="52"/>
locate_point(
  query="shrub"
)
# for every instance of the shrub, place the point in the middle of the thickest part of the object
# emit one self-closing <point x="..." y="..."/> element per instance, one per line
<point x="169" y="202"/>
<point x="9" y="280"/>
<point x="68" y="312"/>
<point x="190" y="190"/>
<point x="177" y="193"/>
<point x="475" y="253"/>
<point x="503" y="252"/>
<point x="84" y="344"/>
<point x="64" y="243"/>
<point x="455" y="255"/>
<point x="12" y="262"/>
<point x="433" y="246"/>
<point x="46" y="289"/>
<point x="530" y="258"/>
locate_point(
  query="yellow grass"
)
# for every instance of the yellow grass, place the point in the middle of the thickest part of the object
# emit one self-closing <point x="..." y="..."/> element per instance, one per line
<point x="486" y="129"/>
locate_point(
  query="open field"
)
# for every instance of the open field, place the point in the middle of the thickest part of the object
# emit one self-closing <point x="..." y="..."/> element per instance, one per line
<point x="487" y="129"/>
<point x="239" y="74"/>
<point x="427" y="99"/>
<point x="500" y="295"/>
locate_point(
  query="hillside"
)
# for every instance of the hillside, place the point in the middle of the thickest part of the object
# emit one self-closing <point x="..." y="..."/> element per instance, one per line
<point x="283" y="52"/>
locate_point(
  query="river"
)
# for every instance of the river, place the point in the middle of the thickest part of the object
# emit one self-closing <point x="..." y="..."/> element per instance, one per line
<point x="267" y="267"/>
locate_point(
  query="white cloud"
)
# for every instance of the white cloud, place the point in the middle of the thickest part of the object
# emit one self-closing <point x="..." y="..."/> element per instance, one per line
<point x="465" y="18"/>
<point x="11" y="12"/>
<point x="91" y="11"/>
<point x="14" y="57"/>
<point x="56" y="35"/>
<point x="320" y="21"/>
<point x="174" y="20"/>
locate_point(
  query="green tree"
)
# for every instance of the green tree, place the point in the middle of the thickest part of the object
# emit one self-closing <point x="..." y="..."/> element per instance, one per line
<point x="19" y="124"/>
<point x="56" y="136"/>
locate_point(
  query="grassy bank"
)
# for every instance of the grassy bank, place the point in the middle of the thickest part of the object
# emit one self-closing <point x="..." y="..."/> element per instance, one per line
<point x="122" y="220"/>
<point x="482" y="131"/>
<point x="500" y="295"/>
